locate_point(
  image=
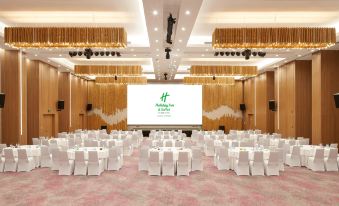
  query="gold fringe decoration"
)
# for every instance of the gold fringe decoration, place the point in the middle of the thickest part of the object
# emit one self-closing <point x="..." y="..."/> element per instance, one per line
<point x="209" y="80"/>
<point x="107" y="70"/>
<point x="65" y="37"/>
<point x="121" y="80"/>
<point x="246" y="71"/>
<point x="301" y="37"/>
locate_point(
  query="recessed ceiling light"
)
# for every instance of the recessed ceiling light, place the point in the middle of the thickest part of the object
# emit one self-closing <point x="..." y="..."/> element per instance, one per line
<point x="183" y="28"/>
<point x="299" y="55"/>
<point x="277" y="55"/>
<point x="156" y="41"/>
<point x="178" y="49"/>
<point x="187" y="12"/>
<point x="206" y="49"/>
<point x="60" y="55"/>
<point x="35" y="55"/>
<point x="156" y="29"/>
<point x="59" y="66"/>
<point x="157" y="55"/>
<point x="155" y="12"/>
<point x="132" y="49"/>
<point x="203" y="55"/>
<point x="157" y="49"/>
<point x="134" y="55"/>
<point x="48" y="61"/>
<point x="180" y="40"/>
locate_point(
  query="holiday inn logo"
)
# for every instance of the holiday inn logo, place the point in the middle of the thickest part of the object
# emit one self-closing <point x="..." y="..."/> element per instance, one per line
<point x="164" y="96"/>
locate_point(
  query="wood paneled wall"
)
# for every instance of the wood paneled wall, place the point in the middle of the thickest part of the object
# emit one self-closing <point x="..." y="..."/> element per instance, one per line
<point x="42" y="99"/>
<point x="2" y="53"/>
<point x="264" y="91"/>
<point x="13" y="84"/>
<point x="78" y="103"/>
<point x="221" y="106"/>
<point x="65" y="94"/>
<point x="249" y="100"/>
<point x="325" y="117"/>
<point x="293" y="96"/>
<point x="109" y="104"/>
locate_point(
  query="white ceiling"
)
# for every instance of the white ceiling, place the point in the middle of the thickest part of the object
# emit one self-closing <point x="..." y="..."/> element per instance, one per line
<point x="146" y="25"/>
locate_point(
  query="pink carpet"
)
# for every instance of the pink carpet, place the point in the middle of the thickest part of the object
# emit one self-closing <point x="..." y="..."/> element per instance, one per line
<point x="295" y="186"/>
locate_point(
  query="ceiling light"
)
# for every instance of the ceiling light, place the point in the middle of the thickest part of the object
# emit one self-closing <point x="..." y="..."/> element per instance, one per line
<point x="203" y="55"/>
<point x="277" y="55"/>
<point x="134" y="55"/>
<point x="299" y="55"/>
<point x="49" y="61"/>
<point x="187" y="12"/>
<point x="156" y="41"/>
<point x="183" y="28"/>
<point x="132" y="49"/>
<point x="216" y="53"/>
<point x="178" y="49"/>
<point x="155" y="12"/>
<point x="180" y="40"/>
<point x="156" y="29"/>
<point x="157" y="49"/>
<point x="206" y="49"/>
<point x="157" y="55"/>
<point x="35" y="55"/>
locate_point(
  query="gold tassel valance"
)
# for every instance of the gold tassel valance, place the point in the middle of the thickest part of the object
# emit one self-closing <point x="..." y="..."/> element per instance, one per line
<point x="121" y="80"/>
<point x="107" y="70"/>
<point x="209" y="80"/>
<point x="273" y="37"/>
<point x="245" y="71"/>
<point x="65" y="37"/>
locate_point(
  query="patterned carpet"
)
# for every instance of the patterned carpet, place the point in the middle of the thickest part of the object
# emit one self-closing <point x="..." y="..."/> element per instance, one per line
<point x="295" y="186"/>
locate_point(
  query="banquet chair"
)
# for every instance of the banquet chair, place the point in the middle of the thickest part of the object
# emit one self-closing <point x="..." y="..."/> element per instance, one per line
<point x="143" y="158"/>
<point x="168" y="164"/>
<point x="223" y="162"/>
<point x="294" y="159"/>
<point x="178" y="144"/>
<point x="2" y="161"/>
<point x="334" y="145"/>
<point x="316" y="163"/>
<point x="25" y="163"/>
<point x="66" y="166"/>
<point x="216" y="154"/>
<point x="94" y="143"/>
<point x="46" y="157"/>
<point x="55" y="158"/>
<point x="127" y="147"/>
<point x="95" y="165"/>
<point x="2" y="146"/>
<point x="111" y="143"/>
<point x="225" y="144"/>
<point x="188" y="144"/>
<point x="272" y="164"/>
<point x="135" y="140"/>
<point x="36" y="141"/>
<point x="11" y="162"/>
<point x="114" y="157"/>
<point x="78" y="140"/>
<point x="331" y="161"/>
<point x="209" y="147"/>
<point x="80" y="164"/>
<point x="235" y="144"/>
<point x="257" y="163"/>
<point x="103" y="144"/>
<point x="183" y="163"/>
<point x="87" y="143"/>
<point x="154" y="165"/>
<point x="168" y="143"/>
<point x="71" y="142"/>
<point x="281" y="156"/>
<point x="197" y="159"/>
<point x="53" y="142"/>
<point x="45" y="142"/>
<point x="241" y="165"/>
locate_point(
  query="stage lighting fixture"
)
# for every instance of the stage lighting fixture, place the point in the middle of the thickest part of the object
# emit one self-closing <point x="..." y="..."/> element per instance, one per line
<point x="237" y="53"/>
<point x="254" y="54"/>
<point x="118" y="54"/>
<point x="232" y="53"/>
<point x="247" y="54"/>
<point x="108" y="53"/>
<point x="243" y="53"/>
<point x="216" y="54"/>
<point x="227" y="53"/>
<point x="165" y="76"/>
<point x="70" y="54"/>
<point x="222" y="53"/>
<point x="115" y="77"/>
<point x="168" y="50"/>
<point x="96" y="53"/>
<point x="170" y="22"/>
<point x="113" y="53"/>
<point x="80" y="53"/>
<point x="213" y="77"/>
<point x="102" y="53"/>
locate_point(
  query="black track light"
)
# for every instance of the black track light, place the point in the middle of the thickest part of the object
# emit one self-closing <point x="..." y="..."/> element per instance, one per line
<point x="113" y="53"/>
<point x="80" y="53"/>
<point x="254" y="54"/>
<point x="237" y="53"/>
<point x="118" y="54"/>
<point x="102" y="53"/>
<point x="168" y="50"/>
<point x="213" y="77"/>
<point x="216" y="54"/>
<point x="75" y="53"/>
<point x="227" y="53"/>
<point x="232" y="53"/>
<point x="243" y="53"/>
<point x="96" y="53"/>
<point x="70" y="54"/>
<point x="115" y="77"/>
<point x="165" y="76"/>
<point x="222" y="53"/>
<point x="108" y="53"/>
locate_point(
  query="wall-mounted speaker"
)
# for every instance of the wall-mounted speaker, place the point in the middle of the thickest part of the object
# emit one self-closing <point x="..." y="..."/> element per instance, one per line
<point x="336" y="100"/>
<point x="272" y="105"/>
<point x="242" y="107"/>
<point x="2" y="100"/>
<point x="89" y="107"/>
<point x="103" y="127"/>
<point x="60" y="105"/>
<point x="221" y="127"/>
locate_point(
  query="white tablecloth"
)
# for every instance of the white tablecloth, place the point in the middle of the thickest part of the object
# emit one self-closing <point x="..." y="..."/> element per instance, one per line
<point x="175" y="151"/>
<point x="102" y="152"/>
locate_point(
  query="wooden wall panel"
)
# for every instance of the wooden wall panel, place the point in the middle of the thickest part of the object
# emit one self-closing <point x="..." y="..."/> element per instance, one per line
<point x="221" y="106"/>
<point x="78" y="103"/>
<point x="249" y="100"/>
<point x="2" y="53"/>
<point x="325" y="117"/>
<point x="64" y="94"/>
<point x="13" y="78"/>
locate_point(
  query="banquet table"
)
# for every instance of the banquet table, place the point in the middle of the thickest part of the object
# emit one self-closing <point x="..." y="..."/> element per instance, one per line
<point x="102" y="152"/>
<point x="233" y="153"/>
<point x="307" y="151"/>
<point x="32" y="151"/>
<point x="175" y="151"/>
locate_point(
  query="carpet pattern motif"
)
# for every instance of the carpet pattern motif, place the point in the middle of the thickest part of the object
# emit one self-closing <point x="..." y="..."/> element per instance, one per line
<point x="295" y="186"/>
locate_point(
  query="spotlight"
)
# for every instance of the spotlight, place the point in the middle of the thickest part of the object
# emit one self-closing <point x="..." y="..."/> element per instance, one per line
<point x="170" y="22"/>
<point x="222" y="53"/>
<point x="261" y="54"/>
<point x="115" y="77"/>
<point x="216" y="54"/>
<point x="232" y="53"/>
<point x="254" y="54"/>
<point x="96" y="53"/>
<point x="75" y="53"/>
<point x="168" y="50"/>
<point x="80" y="53"/>
<point x="107" y="53"/>
<point x="243" y="53"/>
<point x="118" y="54"/>
<point x="113" y="53"/>
<point x="165" y="76"/>
<point x="213" y="77"/>
<point x="237" y="53"/>
<point x="247" y="54"/>
<point x="70" y="54"/>
<point x="227" y="53"/>
<point x="102" y="53"/>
